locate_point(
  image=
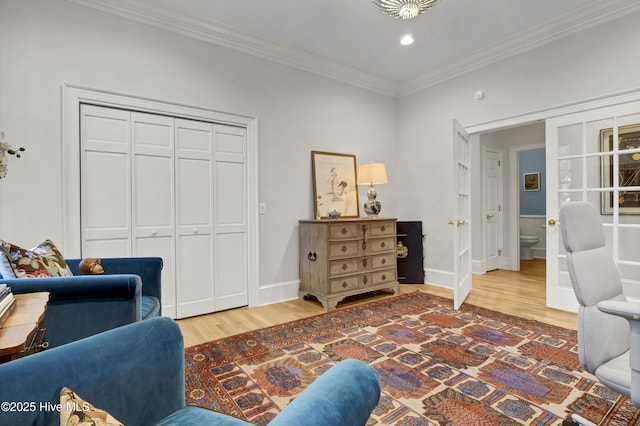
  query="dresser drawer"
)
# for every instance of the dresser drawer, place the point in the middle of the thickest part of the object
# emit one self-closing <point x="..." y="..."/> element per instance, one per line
<point x="378" y="245"/>
<point x="344" y="266"/>
<point x="343" y="248"/>
<point x="343" y="230"/>
<point x="345" y="283"/>
<point x="380" y="229"/>
<point x="384" y="276"/>
<point x="382" y="260"/>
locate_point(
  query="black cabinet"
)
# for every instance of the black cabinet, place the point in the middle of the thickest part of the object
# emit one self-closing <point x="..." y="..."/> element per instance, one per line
<point x="410" y="253"/>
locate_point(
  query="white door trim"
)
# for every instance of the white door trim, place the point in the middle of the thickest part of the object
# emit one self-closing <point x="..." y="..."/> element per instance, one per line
<point x="74" y="95"/>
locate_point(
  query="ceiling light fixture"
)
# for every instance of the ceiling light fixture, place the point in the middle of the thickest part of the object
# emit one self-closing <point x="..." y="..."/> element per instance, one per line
<point x="406" y="40"/>
<point x="404" y="9"/>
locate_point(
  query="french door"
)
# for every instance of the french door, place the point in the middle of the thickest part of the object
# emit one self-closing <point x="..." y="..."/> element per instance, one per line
<point x="594" y="156"/>
<point x="461" y="216"/>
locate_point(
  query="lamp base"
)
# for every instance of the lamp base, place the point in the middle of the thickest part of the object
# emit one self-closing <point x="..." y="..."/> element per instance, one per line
<point x="372" y="207"/>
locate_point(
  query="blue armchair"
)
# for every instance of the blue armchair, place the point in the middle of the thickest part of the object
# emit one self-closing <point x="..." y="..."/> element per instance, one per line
<point x="136" y="373"/>
<point x="84" y="305"/>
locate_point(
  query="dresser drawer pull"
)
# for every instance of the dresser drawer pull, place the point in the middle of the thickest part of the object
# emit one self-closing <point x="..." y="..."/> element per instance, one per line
<point x="343" y="231"/>
<point x="344" y="249"/>
<point x="364" y="262"/>
<point x="384" y="277"/>
<point x="345" y="284"/>
<point x="383" y="244"/>
<point x="382" y="228"/>
<point x="312" y="256"/>
<point x="383" y="261"/>
<point x="345" y="266"/>
<point x="365" y="279"/>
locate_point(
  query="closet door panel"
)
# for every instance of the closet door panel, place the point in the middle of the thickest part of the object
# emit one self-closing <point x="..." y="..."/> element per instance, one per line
<point x="230" y="217"/>
<point x="153" y="194"/>
<point x="105" y="182"/>
<point x="231" y="272"/>
<point x="194" y="183"/>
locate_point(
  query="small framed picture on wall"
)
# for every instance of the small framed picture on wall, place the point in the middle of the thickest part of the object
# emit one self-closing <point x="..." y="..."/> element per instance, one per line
<point x="531" y="181"/>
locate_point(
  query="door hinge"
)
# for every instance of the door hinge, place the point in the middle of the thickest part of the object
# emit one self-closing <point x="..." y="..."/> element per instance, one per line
<point x="499" y="208"/>
<point x="499" y="252"/>
<point x="499" y="163"/>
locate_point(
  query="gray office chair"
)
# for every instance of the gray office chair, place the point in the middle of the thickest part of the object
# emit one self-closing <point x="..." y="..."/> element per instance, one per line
<point x="608" y="325"/>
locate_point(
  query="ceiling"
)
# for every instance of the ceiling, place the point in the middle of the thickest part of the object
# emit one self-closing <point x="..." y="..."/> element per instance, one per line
<point x="353" y="41"/>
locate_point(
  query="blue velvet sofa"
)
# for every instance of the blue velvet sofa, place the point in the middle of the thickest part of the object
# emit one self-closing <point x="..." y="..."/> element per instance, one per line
<point x="84" y="305"/>
<point x="136" y="374"/>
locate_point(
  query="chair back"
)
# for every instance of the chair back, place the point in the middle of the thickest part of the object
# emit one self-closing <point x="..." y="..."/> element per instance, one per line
<point x="594" y="277"/>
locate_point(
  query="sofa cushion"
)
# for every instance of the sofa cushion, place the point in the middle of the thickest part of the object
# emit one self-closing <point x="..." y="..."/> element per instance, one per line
<point x="44" y="260"/>
<point x="75" y="410"/>
<point x="150" y="307"/>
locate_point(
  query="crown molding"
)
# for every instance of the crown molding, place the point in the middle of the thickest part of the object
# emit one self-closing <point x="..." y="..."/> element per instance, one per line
<point x="215" y="33"/>
<point x="575" y="22"/>
<point x="220" y="35"/>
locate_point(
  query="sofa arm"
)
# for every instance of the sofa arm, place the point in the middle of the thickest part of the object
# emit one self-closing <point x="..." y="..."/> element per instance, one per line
<point x="346" y="394"/>
<point x="136" y="373"/>
<point x="81" y="306"/>
<point x="149" y="269"/>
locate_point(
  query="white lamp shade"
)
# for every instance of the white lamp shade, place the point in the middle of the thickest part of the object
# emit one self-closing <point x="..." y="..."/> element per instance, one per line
<point x="371" y="173"/>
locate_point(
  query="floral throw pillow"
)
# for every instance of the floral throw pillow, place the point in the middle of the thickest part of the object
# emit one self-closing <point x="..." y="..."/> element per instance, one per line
<point x="44" y="260"/>
<point x="76" y="411"/>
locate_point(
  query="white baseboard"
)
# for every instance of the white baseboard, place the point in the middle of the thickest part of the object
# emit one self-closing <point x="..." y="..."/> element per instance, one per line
<point x="478" y="267"/>
<point x="279" y="292"/>
<point x="439" y="278"/>
<point x="539" y="252"/>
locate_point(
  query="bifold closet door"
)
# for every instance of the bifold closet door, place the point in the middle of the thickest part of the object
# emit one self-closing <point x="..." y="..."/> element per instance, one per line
<point x="153" y="196"/>
<point x="231" y="218"/>
<point x="105" y="188"/>
<point x="194" y="207"/>
<point x="155" y="185"/>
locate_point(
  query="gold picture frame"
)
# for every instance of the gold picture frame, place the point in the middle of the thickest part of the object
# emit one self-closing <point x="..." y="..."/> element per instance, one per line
<point x="628" y="169"/>
<point x="531" y="181"/>
<point x="334" y="184"/>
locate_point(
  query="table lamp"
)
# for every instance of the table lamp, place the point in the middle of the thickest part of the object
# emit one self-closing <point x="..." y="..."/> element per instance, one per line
<point x="369" y="174"/>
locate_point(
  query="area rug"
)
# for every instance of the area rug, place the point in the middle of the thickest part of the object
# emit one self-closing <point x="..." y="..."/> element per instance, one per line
<point x="437" y="366"/>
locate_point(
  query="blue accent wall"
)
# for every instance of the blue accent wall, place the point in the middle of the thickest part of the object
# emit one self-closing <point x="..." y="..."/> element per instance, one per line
<point x="533" y="202"/>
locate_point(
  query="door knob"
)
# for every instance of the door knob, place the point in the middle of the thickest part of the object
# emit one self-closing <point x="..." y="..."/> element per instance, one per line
<point x="552" y="222"/>
<point x="489" y="216"/>
<point x="462" y="222"/>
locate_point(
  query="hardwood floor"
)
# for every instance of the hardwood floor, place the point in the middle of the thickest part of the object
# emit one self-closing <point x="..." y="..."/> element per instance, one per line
<point x="521" y="294"/>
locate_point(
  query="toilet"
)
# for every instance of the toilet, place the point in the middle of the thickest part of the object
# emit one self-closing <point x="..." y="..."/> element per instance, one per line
<point x="526" y="242"/>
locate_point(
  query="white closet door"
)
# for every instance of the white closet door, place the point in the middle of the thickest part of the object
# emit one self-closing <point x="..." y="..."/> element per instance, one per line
<point x="153" y="208"/>
<point x="194" y="203"/>
<point x="230" y="212"/>
<point x="105" y="182"/>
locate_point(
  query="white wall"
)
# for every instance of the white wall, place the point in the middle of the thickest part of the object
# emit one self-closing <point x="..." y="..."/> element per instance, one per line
<point x="594" y="63"/>
<point x="46" y="43"/>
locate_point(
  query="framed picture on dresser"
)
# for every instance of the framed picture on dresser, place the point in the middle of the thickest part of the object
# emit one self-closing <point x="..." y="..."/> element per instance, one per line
<point x="334" y="184"/>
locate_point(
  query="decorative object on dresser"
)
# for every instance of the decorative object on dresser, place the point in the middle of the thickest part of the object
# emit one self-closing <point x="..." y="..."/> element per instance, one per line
<point x="23" y="333"/>
<point x="410" y="252"/>
<point x="369" y="174"/>
<point x="347" y="257"/>
<point x="334" y="184"/>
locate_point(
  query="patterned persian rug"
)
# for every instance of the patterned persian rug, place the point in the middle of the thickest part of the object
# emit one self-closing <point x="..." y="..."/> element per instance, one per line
<point x="437" y="366"/>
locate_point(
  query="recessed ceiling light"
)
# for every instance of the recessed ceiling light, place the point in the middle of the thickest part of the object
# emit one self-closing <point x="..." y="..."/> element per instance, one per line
<point x="406" y="40"/>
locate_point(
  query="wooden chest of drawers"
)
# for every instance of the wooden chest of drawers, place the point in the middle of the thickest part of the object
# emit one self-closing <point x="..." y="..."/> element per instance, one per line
<point x="340" y="258"/>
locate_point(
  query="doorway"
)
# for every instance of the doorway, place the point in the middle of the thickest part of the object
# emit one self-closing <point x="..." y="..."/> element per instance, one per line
<point x="512" y="142"/>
